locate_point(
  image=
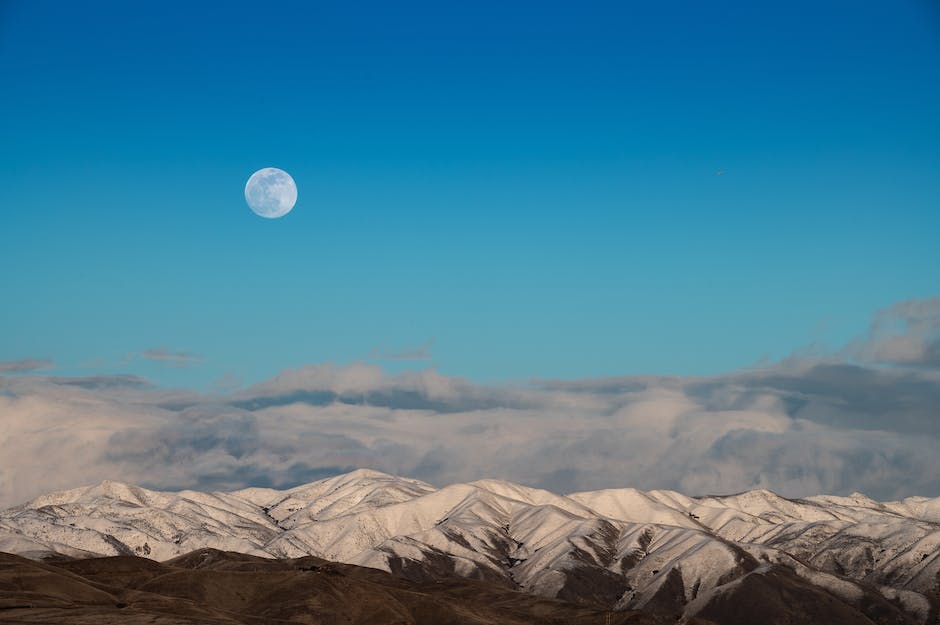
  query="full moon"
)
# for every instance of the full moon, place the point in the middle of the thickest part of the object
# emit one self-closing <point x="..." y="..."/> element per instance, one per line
<point x="271" y="192"/>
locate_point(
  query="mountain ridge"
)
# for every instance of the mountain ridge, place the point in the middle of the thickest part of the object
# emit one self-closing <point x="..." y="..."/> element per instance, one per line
<point x="616" y="548"/>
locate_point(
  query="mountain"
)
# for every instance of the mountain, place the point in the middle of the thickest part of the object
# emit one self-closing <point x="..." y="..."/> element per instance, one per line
<point x="746" y="558"/>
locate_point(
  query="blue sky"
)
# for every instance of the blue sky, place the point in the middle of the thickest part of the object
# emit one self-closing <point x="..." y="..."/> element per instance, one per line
<point x="531" y="189"/>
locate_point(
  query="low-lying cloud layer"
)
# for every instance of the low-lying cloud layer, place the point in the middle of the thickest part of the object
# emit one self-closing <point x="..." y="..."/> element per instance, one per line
<point x="868" y="422"/>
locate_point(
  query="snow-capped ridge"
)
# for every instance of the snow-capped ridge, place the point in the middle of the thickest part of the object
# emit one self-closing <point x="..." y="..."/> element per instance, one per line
<point x="637" y="548"/>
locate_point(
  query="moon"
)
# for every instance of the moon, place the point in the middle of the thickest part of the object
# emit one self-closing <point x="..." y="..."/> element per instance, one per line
<point x="271" y="192"/>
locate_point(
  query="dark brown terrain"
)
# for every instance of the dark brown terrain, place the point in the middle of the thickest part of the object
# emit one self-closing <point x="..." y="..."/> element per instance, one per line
<point x="211" y="587"/>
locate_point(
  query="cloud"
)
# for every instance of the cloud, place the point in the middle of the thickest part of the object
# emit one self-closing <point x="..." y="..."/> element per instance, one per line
<point x="228" y="382"/>
<point x="799" y="427"/>
<point x="840" y="395"/>
<point x="100" y="382"/>
<point x="420" y="352"/>
<point x="25" y="365"/>
<point x="171" y="358"/>
<point x="906" y="334"/>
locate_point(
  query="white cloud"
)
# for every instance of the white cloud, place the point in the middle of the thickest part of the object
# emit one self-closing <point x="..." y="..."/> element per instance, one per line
<point x="906" y="334"/>
<point x="801" y="427"/>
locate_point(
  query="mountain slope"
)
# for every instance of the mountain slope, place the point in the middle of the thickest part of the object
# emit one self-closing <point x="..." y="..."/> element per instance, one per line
<point x="625" y="549"/>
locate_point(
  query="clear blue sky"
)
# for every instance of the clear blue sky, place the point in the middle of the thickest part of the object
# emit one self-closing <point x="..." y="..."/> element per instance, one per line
<point x="531" y="186"/>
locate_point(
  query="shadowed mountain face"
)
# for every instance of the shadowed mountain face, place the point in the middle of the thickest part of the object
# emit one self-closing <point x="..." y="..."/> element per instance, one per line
<point x="209" y="587"/>
<point x="754" y="557"/>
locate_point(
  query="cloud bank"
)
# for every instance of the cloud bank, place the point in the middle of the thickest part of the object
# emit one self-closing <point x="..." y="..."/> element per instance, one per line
<point x="867" y="421"/>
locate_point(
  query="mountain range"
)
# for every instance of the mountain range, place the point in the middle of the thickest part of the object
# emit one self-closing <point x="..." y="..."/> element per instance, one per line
<point x="745" y="558"/>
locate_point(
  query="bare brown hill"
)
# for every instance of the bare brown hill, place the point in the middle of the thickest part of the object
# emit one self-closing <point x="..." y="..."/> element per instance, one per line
<point x="211" y="587"/>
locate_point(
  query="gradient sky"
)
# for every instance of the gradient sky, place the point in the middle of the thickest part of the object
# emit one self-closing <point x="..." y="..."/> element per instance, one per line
<point x="516" y="191"/>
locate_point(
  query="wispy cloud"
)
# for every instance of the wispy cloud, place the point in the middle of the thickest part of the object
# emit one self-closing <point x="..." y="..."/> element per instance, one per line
<point x="906" y="334"/>
<point x="171" y="358"/>
<point x="25" y="365"/>
<point x="420" y="352"/>
<point x="102" y="382"/>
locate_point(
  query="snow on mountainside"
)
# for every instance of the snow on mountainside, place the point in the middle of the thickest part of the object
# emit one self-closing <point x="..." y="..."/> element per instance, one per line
<point x="622" y="548"/>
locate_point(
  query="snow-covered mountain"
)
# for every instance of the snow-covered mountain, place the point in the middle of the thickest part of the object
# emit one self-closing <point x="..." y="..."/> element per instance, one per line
<point x="658" y="550"/>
